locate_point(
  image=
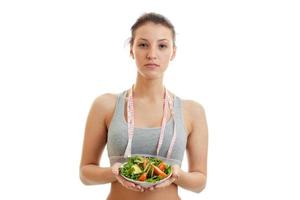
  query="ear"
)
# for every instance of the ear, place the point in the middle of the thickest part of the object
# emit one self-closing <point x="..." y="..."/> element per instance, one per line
<point x="174" y="53"/>
<point x="131" y="54"/>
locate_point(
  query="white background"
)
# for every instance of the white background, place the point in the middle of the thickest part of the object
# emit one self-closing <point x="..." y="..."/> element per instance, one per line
<point x="239" y="59"/>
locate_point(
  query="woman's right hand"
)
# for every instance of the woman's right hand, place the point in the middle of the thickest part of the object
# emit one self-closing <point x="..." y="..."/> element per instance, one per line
<point x="124" y="182"/>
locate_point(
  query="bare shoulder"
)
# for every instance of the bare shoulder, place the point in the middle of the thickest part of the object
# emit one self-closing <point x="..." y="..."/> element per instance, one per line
<point x="193" y="107"/>
<point x="105" y="101"/>
<point x="105" y="104"/>
<point x="193" y="112"/>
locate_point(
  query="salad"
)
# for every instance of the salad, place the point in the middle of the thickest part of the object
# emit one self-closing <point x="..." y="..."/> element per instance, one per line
<point x="145" y="169"/>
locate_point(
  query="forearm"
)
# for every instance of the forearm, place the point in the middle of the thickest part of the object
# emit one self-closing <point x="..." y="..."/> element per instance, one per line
<point x="193" y="181"/>
<point x="93" y="174"/>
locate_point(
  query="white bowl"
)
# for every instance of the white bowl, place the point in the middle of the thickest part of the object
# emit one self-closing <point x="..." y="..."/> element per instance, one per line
<point x="145" y="184"/>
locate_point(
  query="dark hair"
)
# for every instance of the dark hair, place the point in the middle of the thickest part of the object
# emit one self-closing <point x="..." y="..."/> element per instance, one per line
<point x="154" y="18"/>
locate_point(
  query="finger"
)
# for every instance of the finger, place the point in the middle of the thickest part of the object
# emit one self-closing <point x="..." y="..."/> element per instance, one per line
<point x="175" y="177"/>
<point x="151" y="188"/>
<point x="171" y="180"/>
<point x="115" y="171"/>
<point x="129" y="184"/>
<point x="134" y="188"/>
<point x="175" y="174"/>
<point x="139" y="188"/>
<point x="115" y="168"/>
<point x="176" y="171"/>
<point x="124" y="182"/>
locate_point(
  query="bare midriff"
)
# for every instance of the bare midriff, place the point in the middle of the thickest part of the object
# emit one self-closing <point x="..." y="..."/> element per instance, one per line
<point x="118" y="192"/>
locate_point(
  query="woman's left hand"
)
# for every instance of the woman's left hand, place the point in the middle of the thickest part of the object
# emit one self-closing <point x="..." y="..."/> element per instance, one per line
<point x="174" y="177"/>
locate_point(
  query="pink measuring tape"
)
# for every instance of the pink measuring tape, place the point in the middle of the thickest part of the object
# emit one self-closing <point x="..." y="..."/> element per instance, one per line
<point x="130" y="117"/>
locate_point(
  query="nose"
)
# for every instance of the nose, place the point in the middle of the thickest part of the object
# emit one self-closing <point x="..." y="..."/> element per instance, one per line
<point x="152" y="54"/>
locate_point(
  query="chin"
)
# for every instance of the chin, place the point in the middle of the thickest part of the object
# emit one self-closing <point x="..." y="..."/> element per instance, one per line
<point x="151" y="75"/>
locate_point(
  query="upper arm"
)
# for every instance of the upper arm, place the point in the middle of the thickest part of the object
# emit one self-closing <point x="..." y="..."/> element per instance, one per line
<point x="95" y="134"/>
<point x="197" y="143"/>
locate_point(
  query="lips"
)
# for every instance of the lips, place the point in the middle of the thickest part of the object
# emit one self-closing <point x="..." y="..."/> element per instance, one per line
<point x="151" y="65"/>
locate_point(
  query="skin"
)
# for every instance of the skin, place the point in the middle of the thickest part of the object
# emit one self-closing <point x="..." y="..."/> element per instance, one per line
<point x="152" y="44"/>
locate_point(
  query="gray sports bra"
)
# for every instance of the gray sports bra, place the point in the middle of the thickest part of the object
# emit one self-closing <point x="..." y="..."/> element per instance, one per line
<point x="145" y="140"/>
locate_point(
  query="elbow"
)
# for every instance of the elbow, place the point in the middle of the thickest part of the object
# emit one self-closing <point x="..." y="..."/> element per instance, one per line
<point x="84" y="181"/>
<point x="82" y="177"/>
<point x="199" y="189"/>
<point x="201" y="186"/>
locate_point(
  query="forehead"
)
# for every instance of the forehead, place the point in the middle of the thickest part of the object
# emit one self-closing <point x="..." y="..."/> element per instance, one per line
<point x="151" y="31"/>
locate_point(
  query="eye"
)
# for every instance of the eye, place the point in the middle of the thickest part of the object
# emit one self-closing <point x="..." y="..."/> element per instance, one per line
<point x="143" y="45"/>
<point x="162" y="46"/>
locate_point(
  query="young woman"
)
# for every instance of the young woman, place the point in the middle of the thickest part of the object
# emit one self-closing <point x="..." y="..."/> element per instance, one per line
<point x="146" y="119"/>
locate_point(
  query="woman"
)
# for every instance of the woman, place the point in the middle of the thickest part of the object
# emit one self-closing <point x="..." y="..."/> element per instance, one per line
<point x="146" y="119"/>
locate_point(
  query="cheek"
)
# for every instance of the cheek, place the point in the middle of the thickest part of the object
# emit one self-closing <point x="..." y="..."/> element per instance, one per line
<point x="139" y="54"/>
<point x="167" y="56"/>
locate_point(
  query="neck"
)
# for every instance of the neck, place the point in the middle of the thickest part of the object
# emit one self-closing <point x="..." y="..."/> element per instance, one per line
<point x="148" y="89"/>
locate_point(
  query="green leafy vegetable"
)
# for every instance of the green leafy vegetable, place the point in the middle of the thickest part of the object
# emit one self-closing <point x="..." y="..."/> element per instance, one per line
<point x="138" y="167"/>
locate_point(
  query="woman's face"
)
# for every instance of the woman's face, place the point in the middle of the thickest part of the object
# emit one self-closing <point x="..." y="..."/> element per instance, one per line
<point x="152" y="49"/>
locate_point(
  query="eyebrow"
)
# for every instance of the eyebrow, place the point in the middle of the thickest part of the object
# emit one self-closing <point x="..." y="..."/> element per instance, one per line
<point x="158" y="40"/>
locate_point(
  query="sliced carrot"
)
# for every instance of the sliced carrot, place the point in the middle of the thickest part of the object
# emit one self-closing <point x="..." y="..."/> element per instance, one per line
<point x="158" y="172"/>
<point x="162" y="166"/>
<point x="162" y="176"/>
<point x="143" y="177"/>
